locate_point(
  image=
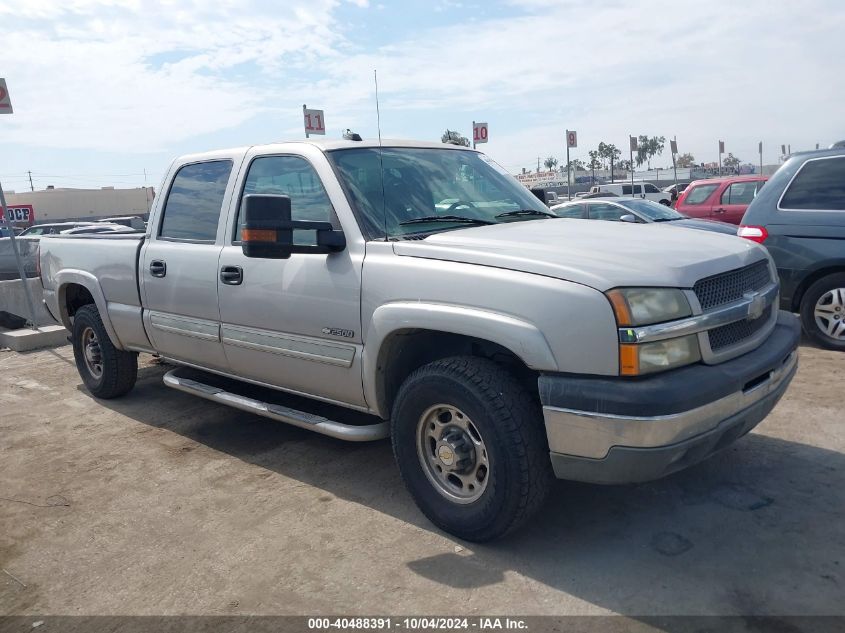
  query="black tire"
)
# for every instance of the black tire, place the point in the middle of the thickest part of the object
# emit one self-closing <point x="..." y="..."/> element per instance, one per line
<point x="808" y="309"/>
<point x="119" y="369"/>
<point x="510" y="422"/>
<point x="666" y="203"/>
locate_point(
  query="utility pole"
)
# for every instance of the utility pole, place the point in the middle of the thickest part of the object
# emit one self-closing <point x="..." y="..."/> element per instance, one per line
<point x="538" y="164"/>
<point x="31" y="186"/>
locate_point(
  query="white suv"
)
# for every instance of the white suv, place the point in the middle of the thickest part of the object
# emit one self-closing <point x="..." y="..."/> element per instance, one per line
<point x="641" y="190"/>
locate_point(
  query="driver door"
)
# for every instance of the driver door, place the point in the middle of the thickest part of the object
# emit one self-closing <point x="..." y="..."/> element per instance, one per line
<point x="292" y="323"/>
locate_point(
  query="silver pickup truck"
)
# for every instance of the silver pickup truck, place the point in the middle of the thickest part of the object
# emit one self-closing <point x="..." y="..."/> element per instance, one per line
<point x="424" y="288"/>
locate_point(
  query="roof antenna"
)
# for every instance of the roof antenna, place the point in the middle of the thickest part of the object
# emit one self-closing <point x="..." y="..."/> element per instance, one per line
<point x="378" y="112"/>
<point x="380" y="158"/>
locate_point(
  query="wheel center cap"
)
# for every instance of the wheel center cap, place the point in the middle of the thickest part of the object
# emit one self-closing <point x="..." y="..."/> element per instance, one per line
<point x="446" y="455"/>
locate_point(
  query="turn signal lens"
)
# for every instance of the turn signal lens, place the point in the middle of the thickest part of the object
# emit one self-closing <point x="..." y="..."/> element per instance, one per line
<point x="629" y="360"/>
<point x="754" y="233"/>
<point x="258" y="235"/>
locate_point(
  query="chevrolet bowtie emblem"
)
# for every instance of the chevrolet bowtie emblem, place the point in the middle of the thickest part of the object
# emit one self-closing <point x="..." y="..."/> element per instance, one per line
<point x="756" y="306"/>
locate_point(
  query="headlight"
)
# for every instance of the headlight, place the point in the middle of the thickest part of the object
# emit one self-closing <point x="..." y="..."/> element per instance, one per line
<point x="644" y="306"/>
<point x="646" y="358"/>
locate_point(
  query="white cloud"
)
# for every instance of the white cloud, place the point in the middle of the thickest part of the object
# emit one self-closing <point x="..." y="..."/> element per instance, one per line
<point x="139" y="76"/>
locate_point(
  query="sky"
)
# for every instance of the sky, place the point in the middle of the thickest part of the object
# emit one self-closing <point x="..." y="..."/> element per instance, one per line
<point x="106" y="91"/>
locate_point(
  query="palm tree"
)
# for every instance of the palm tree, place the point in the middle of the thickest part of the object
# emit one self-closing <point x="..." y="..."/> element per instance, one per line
<point x="550" y="163"/>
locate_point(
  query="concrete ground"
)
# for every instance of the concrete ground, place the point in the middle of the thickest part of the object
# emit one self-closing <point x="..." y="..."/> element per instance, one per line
<point x="163" y="503"/>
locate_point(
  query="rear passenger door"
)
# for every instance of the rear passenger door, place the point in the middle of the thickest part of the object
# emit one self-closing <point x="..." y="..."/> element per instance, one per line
<point x="735" y="199"/>
<point x="178" y="265"/>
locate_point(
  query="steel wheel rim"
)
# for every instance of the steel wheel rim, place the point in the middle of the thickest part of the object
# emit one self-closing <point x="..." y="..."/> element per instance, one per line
<point x="830" y="313"/>
<point x="92" y="353"/>
<point x="452" y="453"/>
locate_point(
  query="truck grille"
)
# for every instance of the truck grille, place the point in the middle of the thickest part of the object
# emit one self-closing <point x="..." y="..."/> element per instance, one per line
<point x="736" y="332"/>
<point x="723" y="288"/>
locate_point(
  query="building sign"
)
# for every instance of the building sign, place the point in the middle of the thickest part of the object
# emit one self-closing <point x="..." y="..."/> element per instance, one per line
<point x="21" y="214"/>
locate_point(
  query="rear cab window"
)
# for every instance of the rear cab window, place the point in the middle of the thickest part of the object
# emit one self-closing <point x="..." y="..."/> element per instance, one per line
<point x="699" y="194"/>
<point x="192" y="210"/>
<point x="819" y="185"/>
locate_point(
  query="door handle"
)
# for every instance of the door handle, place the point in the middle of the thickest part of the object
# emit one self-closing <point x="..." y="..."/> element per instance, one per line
<point x="158" y="268"/>
<point x="719" y="211"/>
<point x="232" y="275"/>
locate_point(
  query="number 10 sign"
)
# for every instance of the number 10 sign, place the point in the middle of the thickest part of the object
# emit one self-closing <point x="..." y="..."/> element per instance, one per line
<point x="315" y="122"/>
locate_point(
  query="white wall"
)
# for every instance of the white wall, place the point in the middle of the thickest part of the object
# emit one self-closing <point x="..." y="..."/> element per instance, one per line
<point x="52" y="205"/>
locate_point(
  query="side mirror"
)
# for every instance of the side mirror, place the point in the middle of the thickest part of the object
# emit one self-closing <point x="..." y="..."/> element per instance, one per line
<point x="628" y="217"/>
<point x="268" y="231"/>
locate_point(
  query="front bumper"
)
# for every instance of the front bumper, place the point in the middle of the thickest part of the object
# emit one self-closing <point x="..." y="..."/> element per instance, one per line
<point x="616" y="430"/>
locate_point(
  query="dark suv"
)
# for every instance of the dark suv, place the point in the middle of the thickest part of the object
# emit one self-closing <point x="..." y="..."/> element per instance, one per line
<point x="800" y="216"/>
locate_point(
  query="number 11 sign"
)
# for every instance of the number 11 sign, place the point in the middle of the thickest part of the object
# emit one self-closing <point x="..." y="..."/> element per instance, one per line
<point x="315" y="122"/>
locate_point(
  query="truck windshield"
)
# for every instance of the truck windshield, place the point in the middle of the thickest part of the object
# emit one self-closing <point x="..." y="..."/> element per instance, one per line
<point x="421" y="184"/>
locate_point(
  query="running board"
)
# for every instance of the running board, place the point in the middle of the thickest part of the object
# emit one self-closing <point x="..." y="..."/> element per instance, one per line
<point x="302" y="419"/>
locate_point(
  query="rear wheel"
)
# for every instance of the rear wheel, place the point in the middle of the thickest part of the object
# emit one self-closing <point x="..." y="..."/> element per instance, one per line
<point x="106" y="371"/>
<point x="823" y="311"/>
<point x="471" y="447"/>
<point x="666" y="203"/>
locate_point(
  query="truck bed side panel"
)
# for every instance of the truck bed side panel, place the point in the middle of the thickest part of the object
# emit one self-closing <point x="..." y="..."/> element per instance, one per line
<point x="107" y="266"/>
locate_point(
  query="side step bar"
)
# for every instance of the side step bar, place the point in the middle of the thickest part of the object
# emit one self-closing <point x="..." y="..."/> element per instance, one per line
<point x="278" y="412"/>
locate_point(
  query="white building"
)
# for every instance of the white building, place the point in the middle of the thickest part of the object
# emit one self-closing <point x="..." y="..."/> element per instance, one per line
<point x="56" y="205"/>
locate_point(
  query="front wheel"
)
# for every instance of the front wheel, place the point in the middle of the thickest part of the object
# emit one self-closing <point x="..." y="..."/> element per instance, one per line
<point x="823" y="311"/>
<point x="106" y="371"/>
<point x="471" y="447"/>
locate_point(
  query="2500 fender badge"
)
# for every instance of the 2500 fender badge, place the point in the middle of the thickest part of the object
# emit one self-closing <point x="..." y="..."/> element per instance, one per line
<point x="336" y="331"/>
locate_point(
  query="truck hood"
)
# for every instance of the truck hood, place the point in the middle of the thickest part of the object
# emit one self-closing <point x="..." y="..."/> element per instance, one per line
<point x="601" y="255"/>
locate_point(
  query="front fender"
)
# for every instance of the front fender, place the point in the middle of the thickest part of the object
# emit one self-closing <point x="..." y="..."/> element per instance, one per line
<point x="522" y="338"/>
<point x="63" y="279"/>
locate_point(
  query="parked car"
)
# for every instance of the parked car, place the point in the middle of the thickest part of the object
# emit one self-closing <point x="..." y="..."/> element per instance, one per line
<point x="724" y="199"/>
<point x="54" y="229"/>
<point x="97" y="227"/>
<point x="131" y="221"/>
<point x="800" y="216"/>
<point x="640" y="190"/>
<point x="496" y="344"/>
<point x="637" y="211"/>
<point x="28" y="250"/>
<point x="675" y="190"/>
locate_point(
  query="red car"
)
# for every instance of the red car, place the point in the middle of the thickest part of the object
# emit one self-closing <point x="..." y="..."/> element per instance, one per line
<point x="724" y="199"/>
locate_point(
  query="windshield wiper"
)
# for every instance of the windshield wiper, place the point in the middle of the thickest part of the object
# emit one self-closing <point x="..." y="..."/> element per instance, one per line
<point x="667" y="219"/>
<point x="518" y="212"/>
<point x="446" y="218"/>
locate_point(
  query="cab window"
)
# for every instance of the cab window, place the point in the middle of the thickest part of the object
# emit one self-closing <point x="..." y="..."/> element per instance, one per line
<point x="599" y="211"/>
<point x="289" y="176"/>
<point x="193" y="205"/>
<point x="740" y="192"/>
<point x="699" y="194"/>
<point x="570" y="211"/>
